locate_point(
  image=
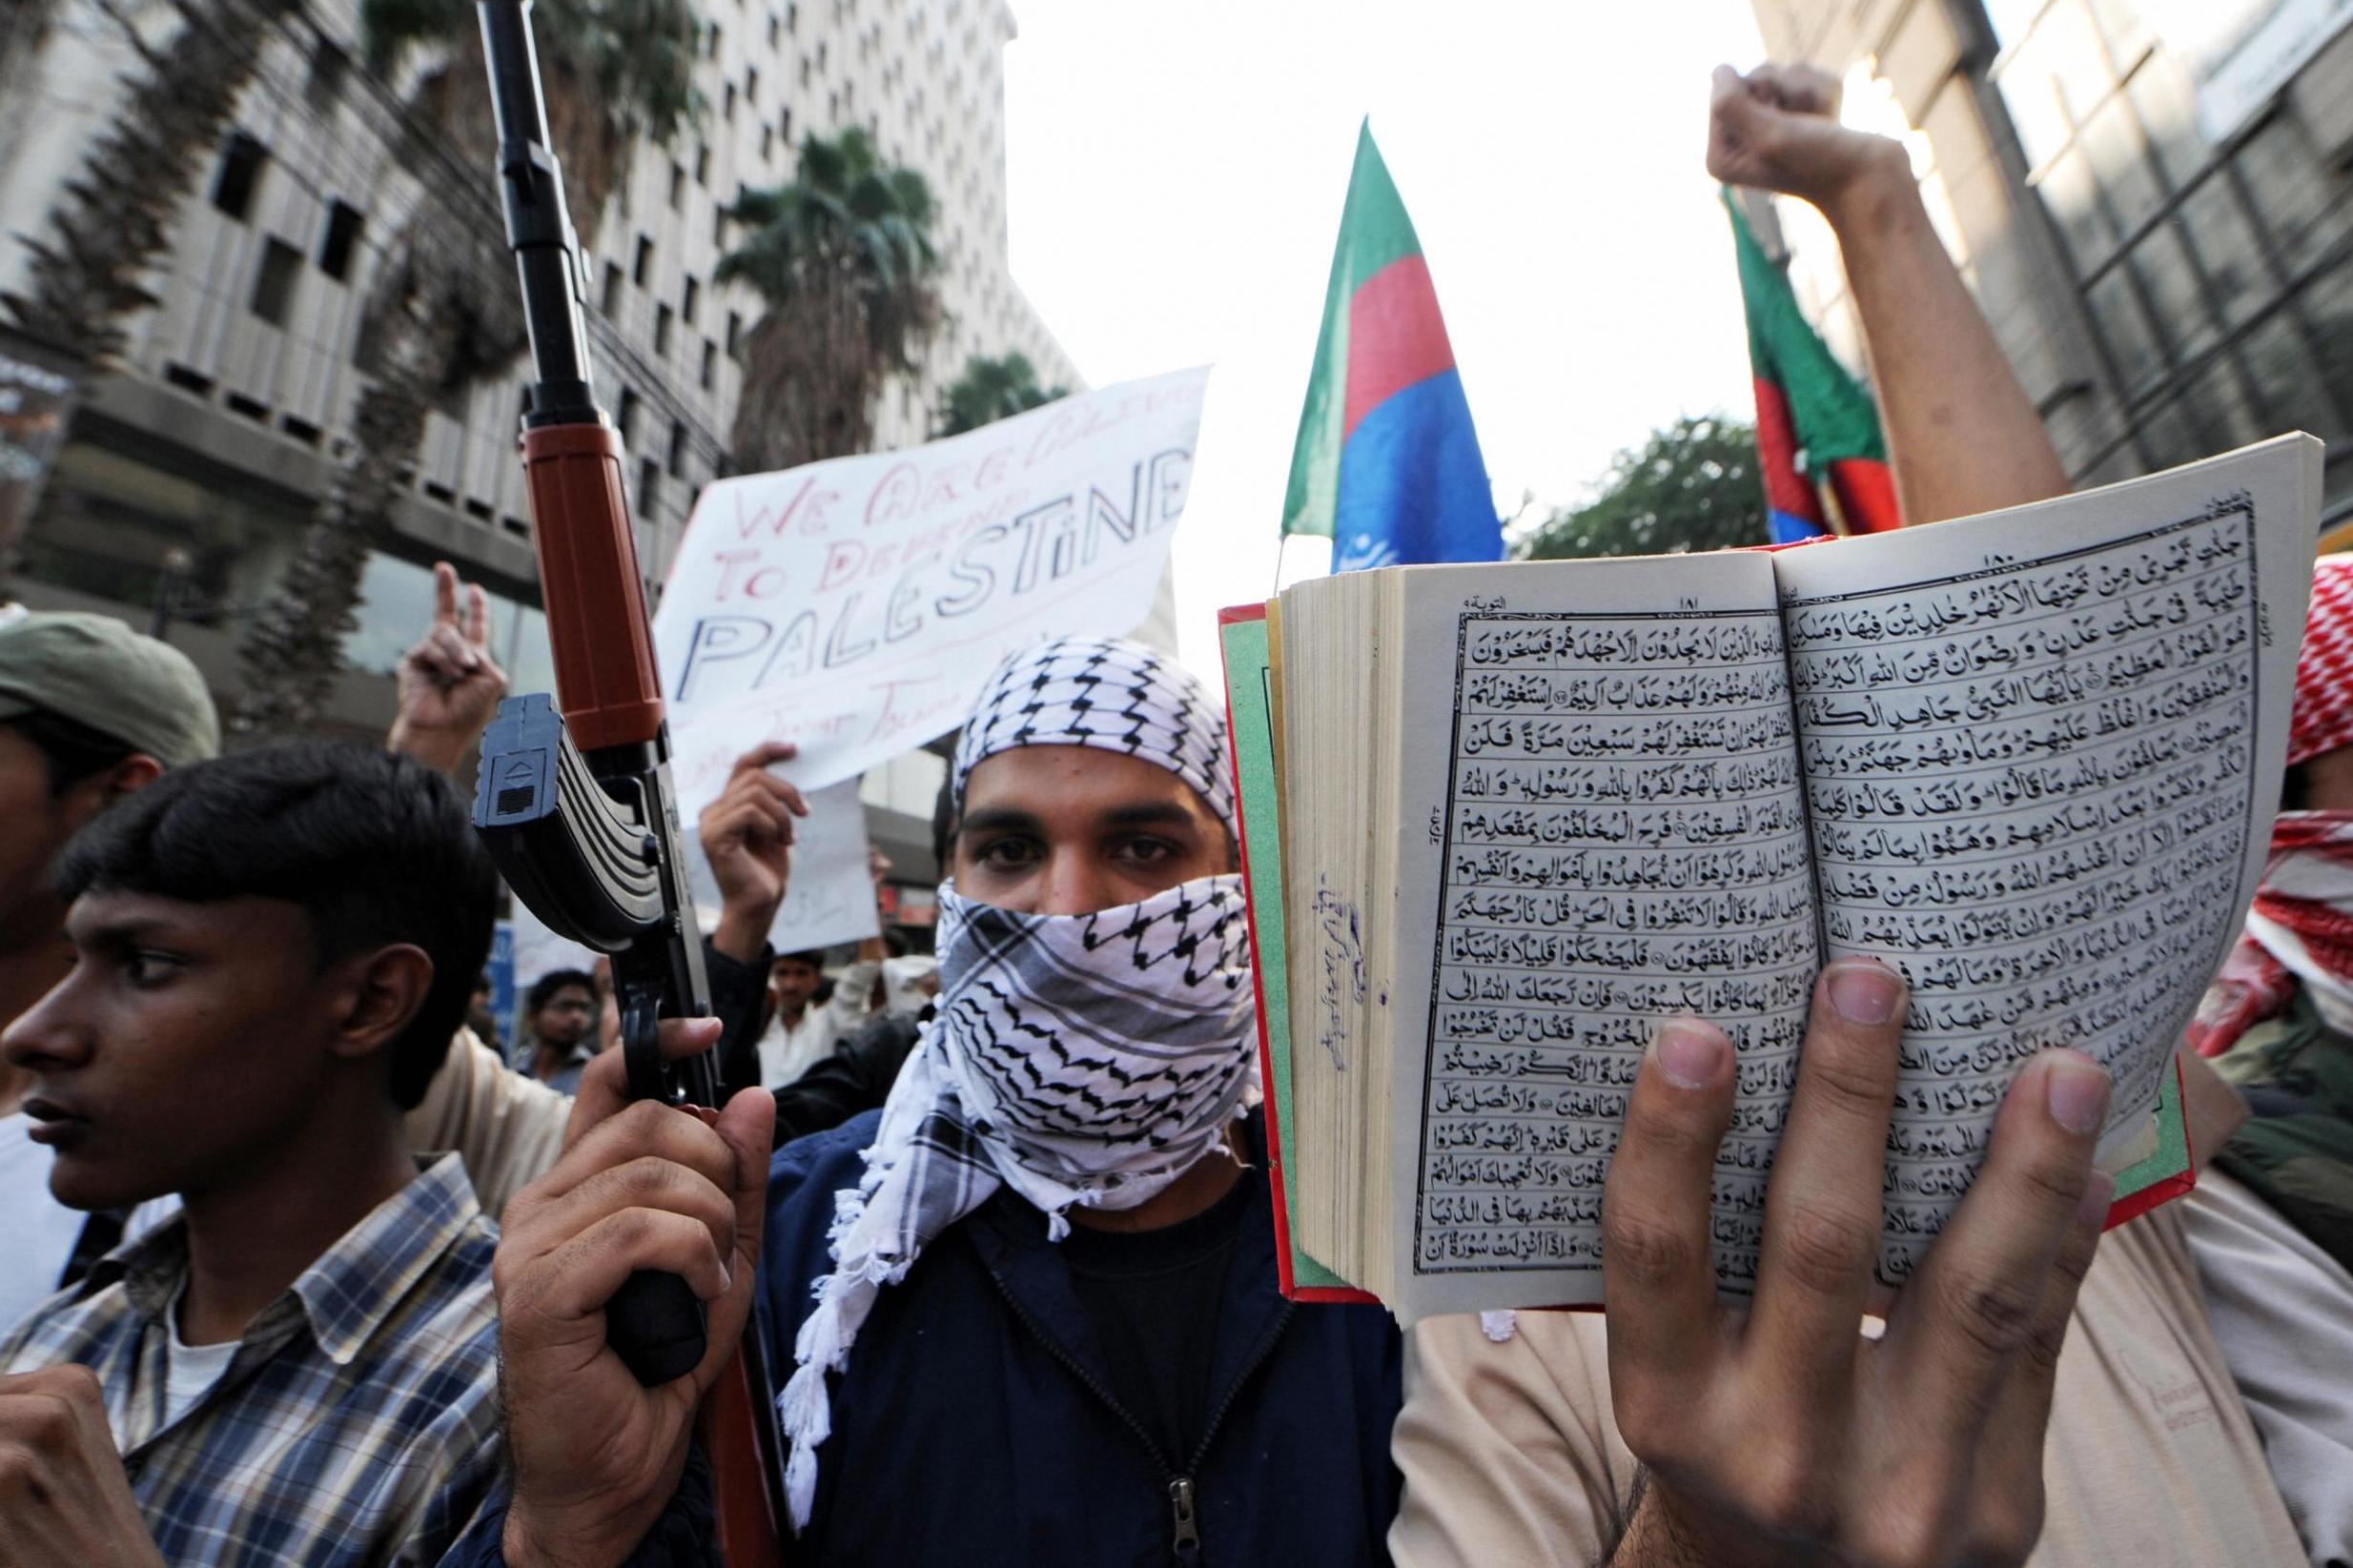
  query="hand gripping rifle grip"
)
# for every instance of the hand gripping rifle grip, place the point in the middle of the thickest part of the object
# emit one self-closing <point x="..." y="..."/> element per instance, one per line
<point x="656" y="1325"/>
<point x="654" y="1322"/>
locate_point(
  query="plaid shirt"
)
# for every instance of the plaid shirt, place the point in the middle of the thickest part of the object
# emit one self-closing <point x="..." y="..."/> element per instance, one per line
<point x="359" y="1422"/>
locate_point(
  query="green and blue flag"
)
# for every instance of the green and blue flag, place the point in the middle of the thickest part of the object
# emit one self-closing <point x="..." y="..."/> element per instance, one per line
<point x="1387" y="465"/>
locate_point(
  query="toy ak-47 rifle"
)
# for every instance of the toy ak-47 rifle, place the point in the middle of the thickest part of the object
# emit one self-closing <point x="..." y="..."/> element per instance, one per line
<point x="576" y="805"/>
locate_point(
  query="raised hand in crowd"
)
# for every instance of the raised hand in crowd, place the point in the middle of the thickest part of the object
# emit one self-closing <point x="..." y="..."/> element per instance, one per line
<point x="747" y="835"/>
<point x="596" y="1455"/>
<point x="63" y="1496"/>
<point x="1962" y="435"/>
<point x="449" y="685"/>
<point x="1783" y="1435"/>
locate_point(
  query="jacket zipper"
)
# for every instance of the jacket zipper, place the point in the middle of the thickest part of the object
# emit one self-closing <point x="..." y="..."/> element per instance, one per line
<point x="1185" y="1537"/>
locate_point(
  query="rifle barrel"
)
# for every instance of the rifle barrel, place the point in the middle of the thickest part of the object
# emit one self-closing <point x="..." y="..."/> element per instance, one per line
<point x="539" y="227"/>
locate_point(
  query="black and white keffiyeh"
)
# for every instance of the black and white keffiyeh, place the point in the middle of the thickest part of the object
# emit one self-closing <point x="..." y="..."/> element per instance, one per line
<point x="1081" y="1060"/>
<point x="1106" y="693"/>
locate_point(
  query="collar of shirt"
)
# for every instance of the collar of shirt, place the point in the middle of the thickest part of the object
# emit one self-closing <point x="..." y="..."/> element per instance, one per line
<point x="358" y="1421"/>
<point x="347" y="1290"/>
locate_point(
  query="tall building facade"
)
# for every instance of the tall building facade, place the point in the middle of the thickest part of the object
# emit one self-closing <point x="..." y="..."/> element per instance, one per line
<point x="189" y="477"/>
<point x="2148" y="197"/>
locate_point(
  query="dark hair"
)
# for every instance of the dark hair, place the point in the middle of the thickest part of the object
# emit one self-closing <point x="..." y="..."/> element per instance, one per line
<point x="814" y="957"/>
<point x="72" y="750"/>
<point x="543" y="990"/>
<point x="944" y="825"/>
<point x="374" y="846"/>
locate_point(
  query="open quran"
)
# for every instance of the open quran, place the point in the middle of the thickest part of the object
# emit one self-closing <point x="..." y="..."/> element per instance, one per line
<point x="1500" y="821"/>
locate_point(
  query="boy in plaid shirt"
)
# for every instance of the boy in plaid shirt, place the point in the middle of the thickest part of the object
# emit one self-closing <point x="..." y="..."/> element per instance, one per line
<point x="273" y="951"/>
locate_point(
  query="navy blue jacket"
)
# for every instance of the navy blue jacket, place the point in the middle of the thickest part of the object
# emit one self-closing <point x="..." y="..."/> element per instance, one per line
<point x="974" y="1422"/>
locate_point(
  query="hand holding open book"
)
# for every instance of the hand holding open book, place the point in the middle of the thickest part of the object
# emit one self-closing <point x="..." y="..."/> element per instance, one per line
<point x="1502" y="823"/>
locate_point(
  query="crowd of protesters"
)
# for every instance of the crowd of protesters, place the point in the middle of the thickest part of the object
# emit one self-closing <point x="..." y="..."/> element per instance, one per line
<point x="998" y="1219"/>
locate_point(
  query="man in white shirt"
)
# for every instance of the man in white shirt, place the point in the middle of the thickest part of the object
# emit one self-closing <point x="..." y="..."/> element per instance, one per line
<point x="803" y="1032"/>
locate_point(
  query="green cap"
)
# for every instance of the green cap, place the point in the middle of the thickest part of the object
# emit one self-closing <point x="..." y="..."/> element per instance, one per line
<point x="98" y="672"/>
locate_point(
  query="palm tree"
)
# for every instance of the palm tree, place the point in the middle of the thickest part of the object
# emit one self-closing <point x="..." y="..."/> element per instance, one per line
<point x="843" y="259"/>
<point x="442" y="312"/>
<point x="86" y="273"/>
<point x="990" y="389"/>
<point x="114" y="217"/>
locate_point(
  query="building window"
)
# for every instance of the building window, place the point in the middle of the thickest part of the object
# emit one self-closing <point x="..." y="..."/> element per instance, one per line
<point x="768" y="142"/>
<point x="752" y="87"/>
<point x="727" y="110"/>
<point x="611" y="302"/>
<point x="678" y="187"/>
<point x="784" y="124"/>
<point x="805" y="70"/>
<point x="2190" y="257"/>
<point x="703" y="165"/>
<point x="328" y="66"/>
<point x="335" y="247"/>
<point x="710" y="365"/>
<point x="735" y="332"/>
<point x="648" y="487"/>
<point x="691" y="300"/>
<point x="644" y="268"/>
<point x="719" y="227"/>
<point x="624" y="418"/>
<point x="776" y="29"/>
<point x="242" y="158"/>
<point x="678" y="449"/>
<point x="275" y="283"/>
<point x="662" y="329"/>
<point x="792" y="18"/>
<point x="710" y="46"/>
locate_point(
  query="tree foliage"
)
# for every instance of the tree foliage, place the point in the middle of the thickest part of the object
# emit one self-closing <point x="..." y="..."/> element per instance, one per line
<point x="990" y="389"/>
<point x="442" y="310"/>
<point x="843" y="259"/>
<point x="1692" y="485"/>
<point x="86" y="272"/>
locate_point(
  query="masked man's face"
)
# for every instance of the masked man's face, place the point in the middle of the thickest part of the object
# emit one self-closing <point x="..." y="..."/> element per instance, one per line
<point x="1068" y="831"/>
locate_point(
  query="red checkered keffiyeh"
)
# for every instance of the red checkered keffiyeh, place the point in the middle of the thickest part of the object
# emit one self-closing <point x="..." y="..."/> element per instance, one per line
<point x="2257" y="983"/>
<point x="2322" y="719"/>
<point x="2309" y="849"/>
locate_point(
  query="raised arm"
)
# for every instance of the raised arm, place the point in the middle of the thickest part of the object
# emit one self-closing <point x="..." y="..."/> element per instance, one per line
<point x="449" y="685"/>
<point x="1962" y="435"/>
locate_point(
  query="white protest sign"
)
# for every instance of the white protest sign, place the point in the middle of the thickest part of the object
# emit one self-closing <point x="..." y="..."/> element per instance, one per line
<point x="855" y="606"/>
<point x="828" y="893"/>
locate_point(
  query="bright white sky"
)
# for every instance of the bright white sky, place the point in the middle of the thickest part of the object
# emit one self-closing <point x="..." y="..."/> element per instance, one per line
<point x="1176" y="172"/>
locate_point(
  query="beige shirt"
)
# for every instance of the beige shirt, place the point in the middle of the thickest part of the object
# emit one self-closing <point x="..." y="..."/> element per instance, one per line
<point x="509" y="1127"/>
<point x="1511" y="1455"/>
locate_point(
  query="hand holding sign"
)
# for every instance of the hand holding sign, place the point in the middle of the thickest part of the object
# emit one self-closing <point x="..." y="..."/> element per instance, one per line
<point x="746" y="838"/>
<point x="853" y="607"/>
